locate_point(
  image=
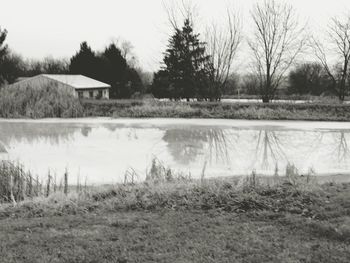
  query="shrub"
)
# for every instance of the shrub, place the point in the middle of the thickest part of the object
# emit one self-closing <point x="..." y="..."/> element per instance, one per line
<point x="46" y="102"/>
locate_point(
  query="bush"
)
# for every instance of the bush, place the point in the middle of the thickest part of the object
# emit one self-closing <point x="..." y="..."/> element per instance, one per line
<point x="47" y="102"/>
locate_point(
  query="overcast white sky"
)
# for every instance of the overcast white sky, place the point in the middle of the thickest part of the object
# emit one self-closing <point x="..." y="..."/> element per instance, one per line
<point x="39" y="28"/>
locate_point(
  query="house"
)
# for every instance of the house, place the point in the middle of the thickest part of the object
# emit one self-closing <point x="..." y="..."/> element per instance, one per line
<point x="80" y="86"/>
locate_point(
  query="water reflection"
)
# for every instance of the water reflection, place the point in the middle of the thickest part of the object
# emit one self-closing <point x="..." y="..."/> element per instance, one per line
<point x="2" y="148"/>
<point x="54" y="133"/>
<point x="261" y="148"/>
<point x="103" y="151"/>
<point x="186" y="144"/>
<point x="269" y="150"/>
<point x="341" y="150"/>
<point x="85" y="130"/>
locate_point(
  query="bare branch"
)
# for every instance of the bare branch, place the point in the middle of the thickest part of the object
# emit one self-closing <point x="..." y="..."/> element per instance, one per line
<point x="222" y="45"/>
<point x="339" y="42"/>
<point x="179" y="11"/>
<point x="277" y="41"/>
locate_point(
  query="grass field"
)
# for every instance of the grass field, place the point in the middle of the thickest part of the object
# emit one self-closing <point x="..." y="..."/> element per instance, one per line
<point x="167" y="220"/>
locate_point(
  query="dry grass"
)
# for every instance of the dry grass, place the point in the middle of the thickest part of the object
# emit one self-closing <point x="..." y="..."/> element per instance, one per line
<point x="183" y="221"/>
<point x="173" y="218"/>
<point x="166" y="189"/>
<point x="18" y="185"/>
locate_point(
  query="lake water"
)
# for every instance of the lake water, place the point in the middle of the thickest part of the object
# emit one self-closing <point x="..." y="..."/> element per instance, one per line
<point x="101" y="150"/>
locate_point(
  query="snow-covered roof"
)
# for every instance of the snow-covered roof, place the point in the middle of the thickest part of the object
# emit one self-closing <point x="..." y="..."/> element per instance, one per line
<point x="78" y="81"/>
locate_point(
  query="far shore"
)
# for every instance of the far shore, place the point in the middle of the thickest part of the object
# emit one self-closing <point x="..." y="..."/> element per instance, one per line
<point x="217" y="110"/>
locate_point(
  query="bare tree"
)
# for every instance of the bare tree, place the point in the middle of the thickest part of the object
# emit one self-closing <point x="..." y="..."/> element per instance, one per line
<point x="277" y="41"/>
<point x="222" y="45"/>
<point x="127" y="50"/>
<point x="179" y="11"/>
<point x="339" y="42"/>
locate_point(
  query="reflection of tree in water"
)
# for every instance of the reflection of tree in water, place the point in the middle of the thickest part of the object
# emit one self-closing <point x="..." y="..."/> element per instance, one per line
<point x="341" y="150"/>
<point x="121" y="132"/>
<point x="31" y="132"/>
<point x="268" y="150"/>
<point x="119" y="129"/>
<point x="110" y="127"/>
<point x="339" y="147"/>
<point x="132" y="134"/>
<point x="186" y="144"/>
<point x="2" y="148"/>
<point x="85" y="131"/>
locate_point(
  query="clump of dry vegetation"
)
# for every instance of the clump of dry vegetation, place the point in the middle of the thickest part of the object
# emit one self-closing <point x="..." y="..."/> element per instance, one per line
<point x="46" y="102"/>
<point x="17" y="184"/>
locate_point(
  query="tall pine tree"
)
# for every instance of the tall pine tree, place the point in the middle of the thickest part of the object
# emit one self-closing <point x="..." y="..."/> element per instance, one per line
<point x="3" y="53"/>
<point x="85" y="62"/>
<point x="186" y="66"/>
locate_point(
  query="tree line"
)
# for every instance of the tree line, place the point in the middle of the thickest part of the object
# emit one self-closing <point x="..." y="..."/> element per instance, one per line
<point x="112" y="66"/>
<point x="199" y="65"/>
<point x="203" y="69"/>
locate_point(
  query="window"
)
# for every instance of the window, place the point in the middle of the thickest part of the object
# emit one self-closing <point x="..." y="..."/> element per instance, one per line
<point x="99" y="94"/>
<point x="91" y="94"/>
<point x="80" y="94"/>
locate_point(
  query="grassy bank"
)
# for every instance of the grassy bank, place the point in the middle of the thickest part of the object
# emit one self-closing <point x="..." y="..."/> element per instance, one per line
<point x="170" y="218"/>
<point x="273" y="111"/>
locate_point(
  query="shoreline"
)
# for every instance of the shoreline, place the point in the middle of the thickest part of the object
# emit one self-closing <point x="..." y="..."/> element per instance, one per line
<point x="145" y="109"/>
<point x="218" y="122"/>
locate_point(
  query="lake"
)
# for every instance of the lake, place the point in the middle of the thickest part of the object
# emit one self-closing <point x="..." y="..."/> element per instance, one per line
<point x="102" y="150"/>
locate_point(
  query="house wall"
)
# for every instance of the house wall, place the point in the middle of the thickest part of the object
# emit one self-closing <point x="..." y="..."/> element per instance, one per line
<point x="86" y="94"/>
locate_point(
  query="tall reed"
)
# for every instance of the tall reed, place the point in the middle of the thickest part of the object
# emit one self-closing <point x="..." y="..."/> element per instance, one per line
<point x="16" y="184"/>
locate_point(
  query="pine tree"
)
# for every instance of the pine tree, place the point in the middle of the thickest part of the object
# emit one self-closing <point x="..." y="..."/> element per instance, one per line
<point x="3" y="53"/>
<point x="85" y="62"/>
<point x="109" y="66"/>
<point x="186" y="65"/>
<point x="115" y="70"/>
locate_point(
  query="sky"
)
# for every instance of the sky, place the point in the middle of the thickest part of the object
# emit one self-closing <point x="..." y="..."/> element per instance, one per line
<point x="40" y="28"/>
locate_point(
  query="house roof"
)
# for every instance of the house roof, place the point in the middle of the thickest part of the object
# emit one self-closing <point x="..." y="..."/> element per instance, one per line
<point x="77" y="81"/>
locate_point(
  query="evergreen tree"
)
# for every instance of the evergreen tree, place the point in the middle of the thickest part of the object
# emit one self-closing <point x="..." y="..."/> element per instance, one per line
<point x="186" y="66"/>
<point x="109" y="66"/>
<point x="85" y="62"/>
<point x="160" y="85"/>
<point x="3" y="53"/>
<point x="135" y="82"/>
<point x="115" y="70"/>
<point x="12" y="67"/>
<point x="124" y="80"/>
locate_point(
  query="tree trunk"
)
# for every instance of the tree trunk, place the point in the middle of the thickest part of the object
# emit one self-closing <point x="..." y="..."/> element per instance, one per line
<point x="265" y="99"/>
